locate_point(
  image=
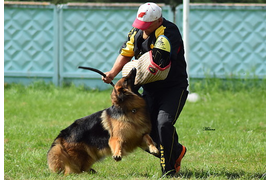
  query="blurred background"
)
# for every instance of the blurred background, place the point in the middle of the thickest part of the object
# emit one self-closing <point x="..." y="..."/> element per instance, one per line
<point x="174" y="2"/>
<point x="48" y="40"/>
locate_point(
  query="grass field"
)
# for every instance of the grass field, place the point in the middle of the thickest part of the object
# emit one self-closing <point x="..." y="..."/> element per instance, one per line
<point x="235" y="149"/>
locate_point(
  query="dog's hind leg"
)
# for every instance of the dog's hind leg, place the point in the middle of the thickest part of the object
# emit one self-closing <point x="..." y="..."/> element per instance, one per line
<point x="71" y="169"/>
<point x="56" y="158"/>
<point x="150" y="144"/>
<point x="60" y="160"/>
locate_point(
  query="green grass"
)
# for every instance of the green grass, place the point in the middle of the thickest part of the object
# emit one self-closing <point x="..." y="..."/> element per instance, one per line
<point x="236" y="149"/>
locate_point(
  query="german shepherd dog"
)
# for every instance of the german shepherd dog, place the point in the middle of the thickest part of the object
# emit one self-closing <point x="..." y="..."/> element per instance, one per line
<point x="116" y="131"/>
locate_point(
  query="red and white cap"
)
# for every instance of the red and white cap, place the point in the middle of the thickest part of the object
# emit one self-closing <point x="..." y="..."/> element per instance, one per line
<point x="146" y="14"/>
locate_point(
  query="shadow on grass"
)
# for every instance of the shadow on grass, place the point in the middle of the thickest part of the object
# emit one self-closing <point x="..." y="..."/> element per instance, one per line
<point x="203" y="174"/>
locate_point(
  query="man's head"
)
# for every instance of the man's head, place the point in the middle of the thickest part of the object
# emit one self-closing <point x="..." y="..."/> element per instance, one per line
<point x="147" y="14"/>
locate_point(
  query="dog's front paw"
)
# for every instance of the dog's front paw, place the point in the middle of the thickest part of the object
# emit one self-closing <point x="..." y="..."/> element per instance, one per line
<point x="153" y="150"/>
<point x="117" y="158"/>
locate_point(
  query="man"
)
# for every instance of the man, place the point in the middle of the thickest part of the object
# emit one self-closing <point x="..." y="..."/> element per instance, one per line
<point x="165" y="98"/>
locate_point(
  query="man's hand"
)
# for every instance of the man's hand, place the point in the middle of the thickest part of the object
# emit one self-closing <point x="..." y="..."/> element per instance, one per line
<point x="109" y="77"/>
<point x="117" y="67"/>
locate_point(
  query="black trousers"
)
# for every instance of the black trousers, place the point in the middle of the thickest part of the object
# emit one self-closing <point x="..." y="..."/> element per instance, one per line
<point x="165" y="107"/>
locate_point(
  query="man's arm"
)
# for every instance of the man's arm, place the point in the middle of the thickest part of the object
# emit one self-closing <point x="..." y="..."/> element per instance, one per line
<point x="117" y="67"/>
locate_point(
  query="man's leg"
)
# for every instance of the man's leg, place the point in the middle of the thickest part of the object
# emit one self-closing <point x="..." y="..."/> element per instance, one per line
<point x="165" y="109"/>
<point x="153" y="109"/>
<point x="170" y="108"/>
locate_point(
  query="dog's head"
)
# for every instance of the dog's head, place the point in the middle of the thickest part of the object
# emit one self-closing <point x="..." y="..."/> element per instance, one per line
<point x="127" y="102"/>
<point x="124" y="88"/>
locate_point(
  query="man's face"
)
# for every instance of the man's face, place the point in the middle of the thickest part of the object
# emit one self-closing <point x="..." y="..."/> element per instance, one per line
<point x="153" y="27"/>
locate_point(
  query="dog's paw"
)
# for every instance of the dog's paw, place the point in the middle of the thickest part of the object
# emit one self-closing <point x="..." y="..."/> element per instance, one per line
<point x="92" y="171"/>
<point x="154" y="150"/>
<point x="117" y="158"/>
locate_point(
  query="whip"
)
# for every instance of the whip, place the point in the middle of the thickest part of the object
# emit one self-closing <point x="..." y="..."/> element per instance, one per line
<point x="97" y="71"/>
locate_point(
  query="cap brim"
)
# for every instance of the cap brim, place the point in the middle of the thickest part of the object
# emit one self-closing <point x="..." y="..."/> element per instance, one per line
<point x="141" y="24"/>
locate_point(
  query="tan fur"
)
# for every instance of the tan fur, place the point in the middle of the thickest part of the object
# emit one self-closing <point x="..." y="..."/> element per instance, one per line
<point x="127" y="131"/>
<point x="73" y="157"/>
<point x="132" y="129"/>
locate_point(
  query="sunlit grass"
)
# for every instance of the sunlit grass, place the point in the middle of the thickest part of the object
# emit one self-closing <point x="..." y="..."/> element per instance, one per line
<point x="235" y="149"/>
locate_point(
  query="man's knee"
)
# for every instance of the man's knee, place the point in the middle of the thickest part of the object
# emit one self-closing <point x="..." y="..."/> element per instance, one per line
<point x="164" y="119"/>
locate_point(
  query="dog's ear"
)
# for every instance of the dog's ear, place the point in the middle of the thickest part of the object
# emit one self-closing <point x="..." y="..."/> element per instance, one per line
<point x="130" y="79"/>
<point x="123" y="87"/>
<point x="120" y="94"/>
